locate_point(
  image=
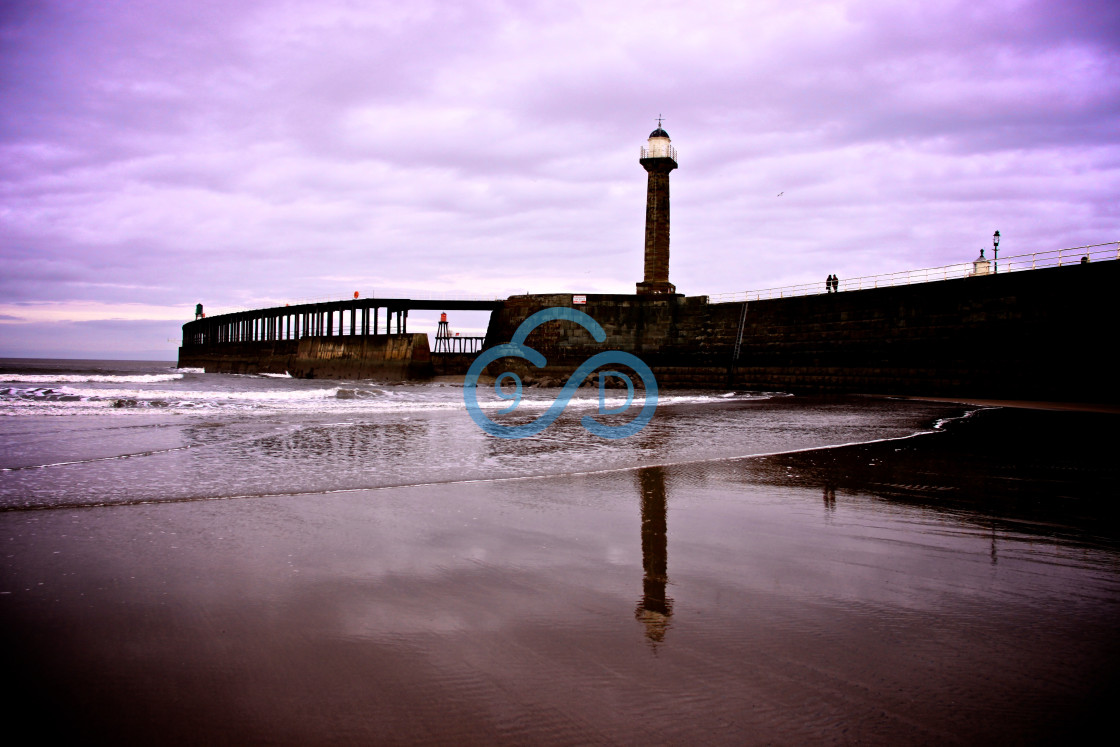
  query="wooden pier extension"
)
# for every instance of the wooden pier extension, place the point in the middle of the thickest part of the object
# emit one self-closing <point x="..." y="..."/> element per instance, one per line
<point x="336" y="339"/>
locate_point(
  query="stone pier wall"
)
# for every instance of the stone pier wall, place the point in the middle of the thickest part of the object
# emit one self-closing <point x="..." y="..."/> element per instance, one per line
<point x="384" y="357"/>
<point x="1041" y="334"/>
<point x="662" y="330"/>
<point x="240" y="357"/>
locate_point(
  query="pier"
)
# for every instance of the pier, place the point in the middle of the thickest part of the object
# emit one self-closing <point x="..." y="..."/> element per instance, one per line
<point x="359" y="338"/>
<point x="1038" y="328"/>
<point x="346" y="318"/>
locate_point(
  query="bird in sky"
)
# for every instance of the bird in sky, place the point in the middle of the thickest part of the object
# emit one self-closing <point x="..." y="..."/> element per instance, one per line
<point x="780" y="194"/>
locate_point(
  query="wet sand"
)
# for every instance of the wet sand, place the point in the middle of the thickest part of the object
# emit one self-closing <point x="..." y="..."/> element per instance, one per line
<point x="957" y="587"/>
<point x="1101" y="407"/>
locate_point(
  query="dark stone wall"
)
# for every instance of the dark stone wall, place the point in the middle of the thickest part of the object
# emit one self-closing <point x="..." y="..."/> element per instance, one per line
<point x="1040" y="334"/>
<point x="452" y="364"/>
<point x="665" y="331"/>
<point x="387" y="357"/>
<point x="240" y="357"/>
<point x="384" y="357"/>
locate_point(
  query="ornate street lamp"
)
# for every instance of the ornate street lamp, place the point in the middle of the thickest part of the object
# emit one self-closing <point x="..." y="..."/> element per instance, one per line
<point x="995" y="252"/>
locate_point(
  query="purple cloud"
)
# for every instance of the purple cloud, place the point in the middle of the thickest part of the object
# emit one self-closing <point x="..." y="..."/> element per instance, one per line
<point x="241" y="154"/>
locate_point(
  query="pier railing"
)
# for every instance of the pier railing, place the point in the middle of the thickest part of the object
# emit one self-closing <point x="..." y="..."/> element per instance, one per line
<point x="305" y="301"/>
<point x="1014" y="263"/>
<point x="458" y="344"/>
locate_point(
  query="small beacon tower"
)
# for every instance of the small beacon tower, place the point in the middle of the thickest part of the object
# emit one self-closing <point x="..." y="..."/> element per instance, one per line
<point x="658" y="158"/>
<point x="443" y="335"/>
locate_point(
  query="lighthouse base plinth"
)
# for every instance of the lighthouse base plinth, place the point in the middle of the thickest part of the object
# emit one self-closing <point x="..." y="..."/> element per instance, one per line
<point x="656" y="288"/>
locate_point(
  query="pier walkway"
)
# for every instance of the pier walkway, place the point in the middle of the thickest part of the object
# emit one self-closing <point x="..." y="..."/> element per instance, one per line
<point x="990" y="266"/>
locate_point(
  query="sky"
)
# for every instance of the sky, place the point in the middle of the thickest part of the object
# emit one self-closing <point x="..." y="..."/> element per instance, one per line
<point x="159" y="154"/>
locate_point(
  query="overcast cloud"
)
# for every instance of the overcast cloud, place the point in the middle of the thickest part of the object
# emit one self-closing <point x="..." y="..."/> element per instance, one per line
<point x="154" y="155"/>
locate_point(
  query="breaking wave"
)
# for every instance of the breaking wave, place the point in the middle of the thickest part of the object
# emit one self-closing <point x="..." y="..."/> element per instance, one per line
<point x="91" y="378"/>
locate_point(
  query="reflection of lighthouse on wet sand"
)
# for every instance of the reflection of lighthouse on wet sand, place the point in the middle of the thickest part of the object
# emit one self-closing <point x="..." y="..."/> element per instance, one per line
<point x="654" y="608"/>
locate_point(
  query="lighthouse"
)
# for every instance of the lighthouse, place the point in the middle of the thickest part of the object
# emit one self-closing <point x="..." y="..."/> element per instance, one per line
<point x="658" y="158"/>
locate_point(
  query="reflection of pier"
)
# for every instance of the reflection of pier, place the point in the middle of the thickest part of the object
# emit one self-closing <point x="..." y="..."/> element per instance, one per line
<point x="654" y="608"/>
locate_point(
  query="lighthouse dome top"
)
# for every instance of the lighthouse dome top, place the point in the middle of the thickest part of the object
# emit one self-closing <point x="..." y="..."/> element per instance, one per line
<point x="659" y="145"/>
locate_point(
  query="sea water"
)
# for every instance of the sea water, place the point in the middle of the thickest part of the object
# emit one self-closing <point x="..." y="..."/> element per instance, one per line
<point x="104" y="432"/>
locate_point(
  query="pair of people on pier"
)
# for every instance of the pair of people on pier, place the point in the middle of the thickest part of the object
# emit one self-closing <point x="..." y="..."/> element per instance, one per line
<point x="832" y="284"/>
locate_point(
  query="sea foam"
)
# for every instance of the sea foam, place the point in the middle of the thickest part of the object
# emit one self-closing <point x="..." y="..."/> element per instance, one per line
<point x="88" y="378"/>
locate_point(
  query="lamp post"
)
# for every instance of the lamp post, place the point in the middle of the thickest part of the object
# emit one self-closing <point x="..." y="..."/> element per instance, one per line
<point x="995" y="252"/>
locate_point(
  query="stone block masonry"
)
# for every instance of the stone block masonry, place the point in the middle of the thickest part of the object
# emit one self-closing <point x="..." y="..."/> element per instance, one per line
<point x="390" y="357"/>
<point x="1041" y="334"/>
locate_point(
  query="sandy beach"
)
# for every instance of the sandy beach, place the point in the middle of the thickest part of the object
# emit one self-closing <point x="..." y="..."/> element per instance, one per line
<point x="1101" y="407"/>
<point x="960" y="586"/>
